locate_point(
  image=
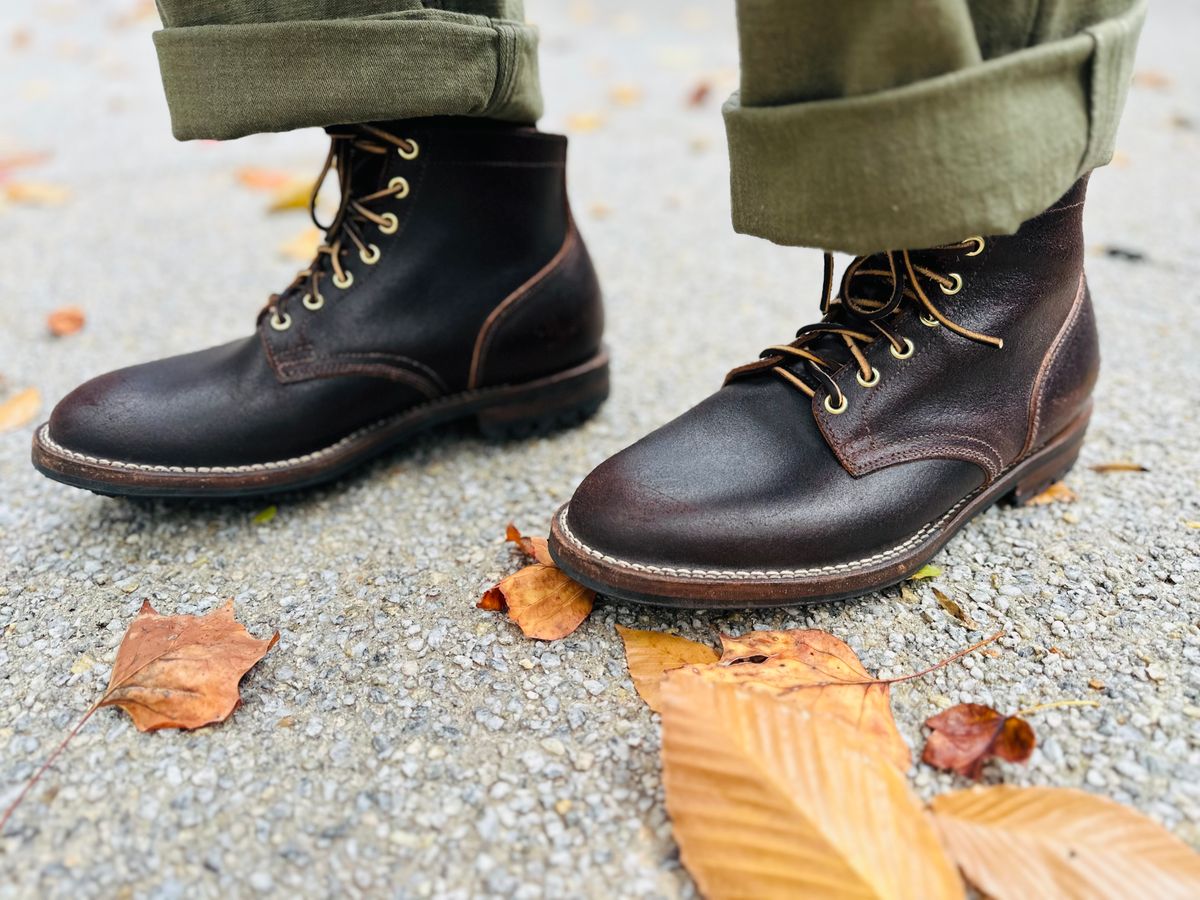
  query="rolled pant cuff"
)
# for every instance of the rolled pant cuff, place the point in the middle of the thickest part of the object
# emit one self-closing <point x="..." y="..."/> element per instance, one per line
<point x="977" y="151"/>
<point x="227" y="81"/>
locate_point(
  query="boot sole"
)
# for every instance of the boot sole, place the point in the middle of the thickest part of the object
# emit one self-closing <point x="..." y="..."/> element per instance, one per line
<point x="697" y="588"/>
<point x="501" y="413"/>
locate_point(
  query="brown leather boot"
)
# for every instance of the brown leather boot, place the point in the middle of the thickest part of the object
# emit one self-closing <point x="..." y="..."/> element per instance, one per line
<point x="452" y="284"/>
<point x="938" y="382"/>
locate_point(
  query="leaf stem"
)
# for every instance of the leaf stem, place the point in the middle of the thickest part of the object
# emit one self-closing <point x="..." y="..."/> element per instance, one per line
<point x="46" y="765"/>
<point x="945" y="662"/>
<point x="1056" y="704"/>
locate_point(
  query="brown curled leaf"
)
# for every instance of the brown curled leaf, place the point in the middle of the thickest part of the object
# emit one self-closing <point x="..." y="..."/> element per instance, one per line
<point x="966" y="736"/>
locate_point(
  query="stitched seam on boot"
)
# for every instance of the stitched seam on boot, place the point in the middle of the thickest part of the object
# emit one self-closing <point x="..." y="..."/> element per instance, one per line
<point x="1036" y="396"/>
<point x="483" y="340"/>
<point x="728" y="574"/>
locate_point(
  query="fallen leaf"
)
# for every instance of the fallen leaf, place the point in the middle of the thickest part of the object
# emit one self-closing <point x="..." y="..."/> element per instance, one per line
<point x="816" y="671"/>
<point x="19" y="409"/>
<point x="651" y="654"/>
<point x="264" y="179"/>
<point x="543" y="602"/>
<point x="65" y="320"/>
<point x="1104" y="468"/>
<point x="303" y="247"/>
<point x="1096" y="684"/>
<point x="626" y="95"/>
<point x="1013" y="842"/>
<point x="182" y="671"/>
<point x="33" y="193"/>
<point x="584" y="123"/>
<point x="1192" y="525"/>
<point x="266" y="515"/>
<point x="966" y="736"/>
<point x="20" y="160"/>
<point x="770" y="800"/>
<point x="926" y="571"/>
<point x="952" y="607"/>
<point x="699" y="94"/>
<point x="1056" y="493"/>
<point x="171" y="672"/>
<point x="534" y="547"/>
<point x="293" y="194"/>
<point x="1152" y="79"/>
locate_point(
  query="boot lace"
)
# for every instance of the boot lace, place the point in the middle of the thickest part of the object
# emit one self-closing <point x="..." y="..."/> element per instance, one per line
<point x="346" y="232"/>
<point x="853" y="322"/>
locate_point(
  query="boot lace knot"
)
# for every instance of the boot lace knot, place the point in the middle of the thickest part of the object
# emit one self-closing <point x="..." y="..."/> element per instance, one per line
<point x="851" y="322"/>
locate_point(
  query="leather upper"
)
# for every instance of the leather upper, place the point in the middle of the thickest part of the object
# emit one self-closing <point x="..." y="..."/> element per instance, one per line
<point x="761" y="476"/>
<point x="484" y="282"/>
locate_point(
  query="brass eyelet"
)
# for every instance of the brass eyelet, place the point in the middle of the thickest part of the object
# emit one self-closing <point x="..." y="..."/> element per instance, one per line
<point x="344" y="283"/>
<point x="313" y="303"/>
<point x="929" y="321"/>
<point x="280" y="324"/>
<point x="980" y="244"/>
<point x="399" y="184"/>
<point x="393" y="223"/>
<point x="870" y="382"/>
<point x="908" y="350"/>
<point x="958" y="283"/>
<point x="839" y="409"/>
<point x="409" y="154"/>
<point x="372" y="257"/>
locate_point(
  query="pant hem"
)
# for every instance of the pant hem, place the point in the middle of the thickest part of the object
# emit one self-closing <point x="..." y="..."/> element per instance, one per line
<point x="228" y="81"/>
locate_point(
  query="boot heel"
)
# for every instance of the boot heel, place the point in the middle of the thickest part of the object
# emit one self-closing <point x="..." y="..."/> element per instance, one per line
<point x="548" y="405"/>
<point x="1051" y="463"/>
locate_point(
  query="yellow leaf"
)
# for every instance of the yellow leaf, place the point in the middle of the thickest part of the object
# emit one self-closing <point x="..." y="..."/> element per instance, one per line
<point x="583" y="123"/>
<point x="293" y="194"/>
<point x="768" y="800"/>
<point x="266" y="515"/>
<point x="19" y="409"/>
<point x="33" y="193"/>
<point x="1056" y="493"/>
<point x="626" y="95"/>
<point x="1013" y="842"/>
<point x="303" y="247"/>
<point x="926" y="571"/>
<point x="651" y="654"/>
<point x="1105" y="468"/>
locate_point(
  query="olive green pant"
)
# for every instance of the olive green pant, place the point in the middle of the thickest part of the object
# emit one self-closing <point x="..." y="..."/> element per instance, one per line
<point x="860" y="125"/>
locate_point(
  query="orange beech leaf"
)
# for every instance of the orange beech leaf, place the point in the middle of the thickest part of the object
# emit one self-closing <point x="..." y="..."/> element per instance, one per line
<point x="814" y="670"/>
<point x="1020" y="842"/>
<point x="65" y="320"/>
<point x="182" y="671"/>
<point x="966" y="736"/>
<point x="19" y="409"/>
<point x="651" y="654"/>
<point x="768" y="799"/>
<point x="543" y="602"/>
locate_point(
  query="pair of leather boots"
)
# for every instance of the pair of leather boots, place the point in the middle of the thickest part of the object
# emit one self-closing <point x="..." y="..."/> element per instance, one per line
<point x="453" y="284"/>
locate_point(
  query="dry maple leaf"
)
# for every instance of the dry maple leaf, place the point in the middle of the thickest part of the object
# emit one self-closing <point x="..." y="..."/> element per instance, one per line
<point x="770" y="800"/>
<point x="966" y="736"/>
<point x="172" y="672"/>
<point x="543" y="602"/>
<point x="651" y="654"/>
<point x="65" y="320"/>
<point x="814" y="670"/>
<point x="19" y="409"/>
<point x="182" y="671"/>
<point x="1013" y="842"/>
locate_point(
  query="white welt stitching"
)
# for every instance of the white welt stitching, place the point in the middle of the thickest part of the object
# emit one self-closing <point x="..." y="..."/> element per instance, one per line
<point x="47" y="441"/>
<point x="738" y="574"/>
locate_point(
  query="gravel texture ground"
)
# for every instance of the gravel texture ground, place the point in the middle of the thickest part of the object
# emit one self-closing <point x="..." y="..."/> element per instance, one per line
<point x="397" y="740"/>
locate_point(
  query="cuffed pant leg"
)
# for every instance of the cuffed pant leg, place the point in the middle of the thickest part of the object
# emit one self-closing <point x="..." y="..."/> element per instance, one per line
<point x="232" y="68"/>
<point x="862" y="126"/>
